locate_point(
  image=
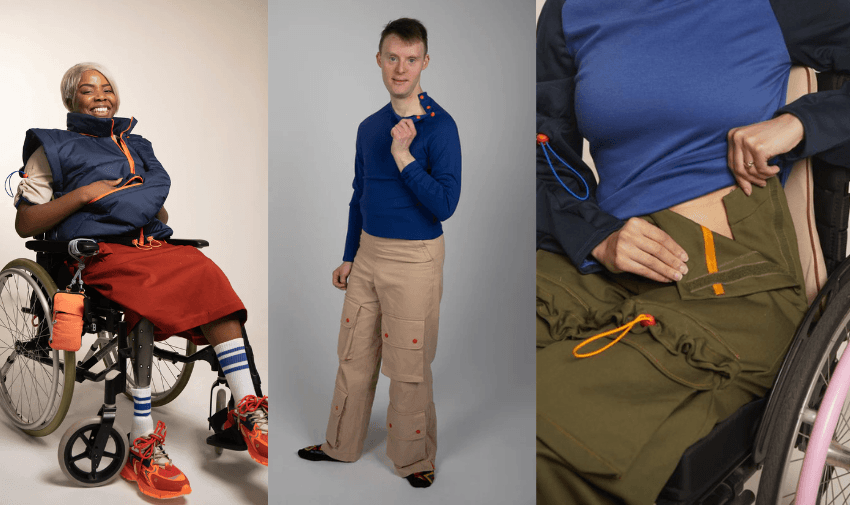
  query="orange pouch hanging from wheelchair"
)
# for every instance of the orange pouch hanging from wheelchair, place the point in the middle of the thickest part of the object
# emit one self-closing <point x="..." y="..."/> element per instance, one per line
<point x="68" y="310"/>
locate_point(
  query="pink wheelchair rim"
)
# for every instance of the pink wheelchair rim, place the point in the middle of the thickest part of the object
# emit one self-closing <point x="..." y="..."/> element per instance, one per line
<point x="825" y="423"/>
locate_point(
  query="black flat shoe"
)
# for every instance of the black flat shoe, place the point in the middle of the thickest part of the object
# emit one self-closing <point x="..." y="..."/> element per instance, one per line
<point x="315" y="453"/>
<point x="420" y="479"/>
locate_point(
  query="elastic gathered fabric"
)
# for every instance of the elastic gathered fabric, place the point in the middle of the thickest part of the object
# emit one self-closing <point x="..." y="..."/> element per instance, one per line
<point x="615" y="424"/>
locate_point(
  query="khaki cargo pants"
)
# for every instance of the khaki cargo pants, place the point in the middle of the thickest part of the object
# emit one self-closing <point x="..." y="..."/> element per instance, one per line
<point x="612" y="427"/>
<point x="391" y="314"/>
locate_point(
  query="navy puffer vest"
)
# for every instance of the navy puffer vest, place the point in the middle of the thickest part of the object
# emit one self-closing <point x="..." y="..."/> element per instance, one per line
<point x="94" y="149"/>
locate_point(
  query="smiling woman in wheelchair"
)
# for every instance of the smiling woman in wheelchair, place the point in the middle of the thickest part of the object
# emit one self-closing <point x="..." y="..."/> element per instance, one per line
<point x="98" y="180"/>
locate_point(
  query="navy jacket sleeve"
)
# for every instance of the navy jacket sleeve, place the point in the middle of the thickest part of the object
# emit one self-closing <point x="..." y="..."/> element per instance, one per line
<point x="436" y="181"/>
<point x="817" y="34"/>
<point x="565" y="224"/>
<point x="355" y="218"/>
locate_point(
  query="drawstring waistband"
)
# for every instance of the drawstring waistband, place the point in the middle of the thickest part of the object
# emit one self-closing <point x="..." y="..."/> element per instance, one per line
<point x="643" y="319"/>
<point x="543" y="142"/>
<point x="140" y="242"/>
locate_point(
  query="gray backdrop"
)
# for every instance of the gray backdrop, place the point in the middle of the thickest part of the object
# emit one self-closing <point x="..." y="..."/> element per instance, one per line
<point x="323" y="81"/>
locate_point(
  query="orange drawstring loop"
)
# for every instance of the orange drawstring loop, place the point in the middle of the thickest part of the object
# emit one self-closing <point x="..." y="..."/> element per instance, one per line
<point x="146" y="245"/>
<point x="643" y="319"/>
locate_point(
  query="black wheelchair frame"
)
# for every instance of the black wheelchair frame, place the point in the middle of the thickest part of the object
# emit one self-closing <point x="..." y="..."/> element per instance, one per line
<point x="102" y="315"/>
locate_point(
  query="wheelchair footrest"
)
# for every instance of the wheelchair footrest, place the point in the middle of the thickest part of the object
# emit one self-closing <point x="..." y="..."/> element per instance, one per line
<point x="226" y="438"/>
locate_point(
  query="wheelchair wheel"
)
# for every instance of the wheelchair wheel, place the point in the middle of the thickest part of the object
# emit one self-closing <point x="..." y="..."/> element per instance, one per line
<point x="167" y="379"/>
<point x="35" y="386"/>
<point x="75" y="453"/>
<point x="812" y="370"/>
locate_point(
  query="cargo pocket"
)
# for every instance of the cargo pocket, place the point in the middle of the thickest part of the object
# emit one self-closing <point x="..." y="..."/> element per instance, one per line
<point x="406" y="442"/>
<point x="350" y="311"/>
<point x="337" y="407"/>
<point x="403" y="356"/>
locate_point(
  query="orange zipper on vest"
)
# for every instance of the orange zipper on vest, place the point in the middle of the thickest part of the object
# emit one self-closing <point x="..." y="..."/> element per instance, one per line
<point x="123" y="146"/>
<point x="123" y="186"/>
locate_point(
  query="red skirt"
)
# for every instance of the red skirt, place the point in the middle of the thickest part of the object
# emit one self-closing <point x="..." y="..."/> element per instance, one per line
<point x="176" y="287"/>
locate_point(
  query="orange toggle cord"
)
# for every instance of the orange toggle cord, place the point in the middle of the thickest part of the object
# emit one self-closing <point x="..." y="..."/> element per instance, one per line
<point x="140" y="242"/>
<point x="643" y="319"/>
<point x="542" y="138"/>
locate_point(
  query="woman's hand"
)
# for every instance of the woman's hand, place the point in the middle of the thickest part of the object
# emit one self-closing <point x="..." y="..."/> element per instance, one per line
<point x="751" y="146"/>
<point x="32" y="220"/>
<point x="340" y="275"/>
<point x="644" y="249"/>
<point x="91" y="191"/>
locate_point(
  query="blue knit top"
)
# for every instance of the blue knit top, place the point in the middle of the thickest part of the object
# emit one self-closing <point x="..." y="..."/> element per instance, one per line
<point x="661" y="82"/>
<point x="411" y="204"/>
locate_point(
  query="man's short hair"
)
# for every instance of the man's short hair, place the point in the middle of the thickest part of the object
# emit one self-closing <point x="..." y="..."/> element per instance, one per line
<point x="408" y="30"/>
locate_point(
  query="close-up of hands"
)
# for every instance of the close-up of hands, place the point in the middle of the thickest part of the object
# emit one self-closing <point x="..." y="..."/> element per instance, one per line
<point x="91" y="191"/>
<point x="403" y="134"/>
<point x="644" y="249"/>
<point x="750" y="148"/>
<point x="340" y="275"/>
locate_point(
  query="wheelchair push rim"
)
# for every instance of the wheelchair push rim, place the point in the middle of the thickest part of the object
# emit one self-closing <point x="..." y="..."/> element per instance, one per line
<point x="34" y="387"/>
<point x="832" y="479"/>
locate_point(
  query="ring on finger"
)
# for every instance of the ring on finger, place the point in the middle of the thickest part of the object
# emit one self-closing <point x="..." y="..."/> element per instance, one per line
<point x="750" y="164"/>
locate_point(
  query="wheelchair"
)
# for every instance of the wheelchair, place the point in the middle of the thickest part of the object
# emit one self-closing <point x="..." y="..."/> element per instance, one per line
<point x="37" y="382"/>
<point x="789" y="428"/>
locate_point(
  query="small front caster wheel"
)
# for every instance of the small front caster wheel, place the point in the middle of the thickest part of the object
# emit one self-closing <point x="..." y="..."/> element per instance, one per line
<point x="77" y="450"/>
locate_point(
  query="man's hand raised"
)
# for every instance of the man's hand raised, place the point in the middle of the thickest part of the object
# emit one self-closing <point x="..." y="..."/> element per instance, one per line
<point x="403" y="134"/>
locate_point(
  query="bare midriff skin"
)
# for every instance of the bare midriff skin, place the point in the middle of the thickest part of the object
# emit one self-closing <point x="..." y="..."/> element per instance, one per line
<point x="644" y="249"/>
<point x="709" y="211"/>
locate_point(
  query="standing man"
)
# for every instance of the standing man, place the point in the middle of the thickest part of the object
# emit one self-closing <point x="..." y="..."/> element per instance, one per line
<point x="406" y="181"/>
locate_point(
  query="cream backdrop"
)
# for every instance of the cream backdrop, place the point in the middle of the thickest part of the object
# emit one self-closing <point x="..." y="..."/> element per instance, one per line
<point x="195" y="75"/>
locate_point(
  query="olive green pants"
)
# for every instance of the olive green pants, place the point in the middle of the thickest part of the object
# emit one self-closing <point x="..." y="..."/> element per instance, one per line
<point x="612" y="427"/>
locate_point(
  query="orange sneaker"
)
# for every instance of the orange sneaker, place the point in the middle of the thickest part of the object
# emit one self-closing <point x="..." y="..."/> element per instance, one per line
<point x="252" y="417"/>
<point x="150" y="467"/>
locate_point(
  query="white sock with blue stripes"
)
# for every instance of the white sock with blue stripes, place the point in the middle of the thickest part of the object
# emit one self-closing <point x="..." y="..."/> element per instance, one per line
<point x="234" y="363"/>
<point x="142" y="420"/>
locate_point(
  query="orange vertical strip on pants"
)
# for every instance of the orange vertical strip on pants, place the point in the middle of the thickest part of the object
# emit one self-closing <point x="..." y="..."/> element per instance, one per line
<point x="711" y="258"/>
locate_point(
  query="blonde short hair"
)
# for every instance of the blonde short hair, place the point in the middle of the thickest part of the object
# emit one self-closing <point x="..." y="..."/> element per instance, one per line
<point x="71" y="80"/>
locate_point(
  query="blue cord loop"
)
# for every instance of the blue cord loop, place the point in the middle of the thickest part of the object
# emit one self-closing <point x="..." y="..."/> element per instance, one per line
<point x="543" y="140"/>
<point x="8" y="184"/>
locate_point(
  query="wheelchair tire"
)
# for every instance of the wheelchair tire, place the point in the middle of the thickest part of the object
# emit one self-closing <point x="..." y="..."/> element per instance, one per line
<point x="79" y="438"/>
<point x="167" y="379"/>
<point x="34" y="393"/>
<point x="809" y="373"/>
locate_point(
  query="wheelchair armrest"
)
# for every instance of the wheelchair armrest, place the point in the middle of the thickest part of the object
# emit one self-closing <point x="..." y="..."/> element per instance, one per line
<point x="61" y="246"/>
<point x="48" y="246"/>
<point x="200" y="244"/>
